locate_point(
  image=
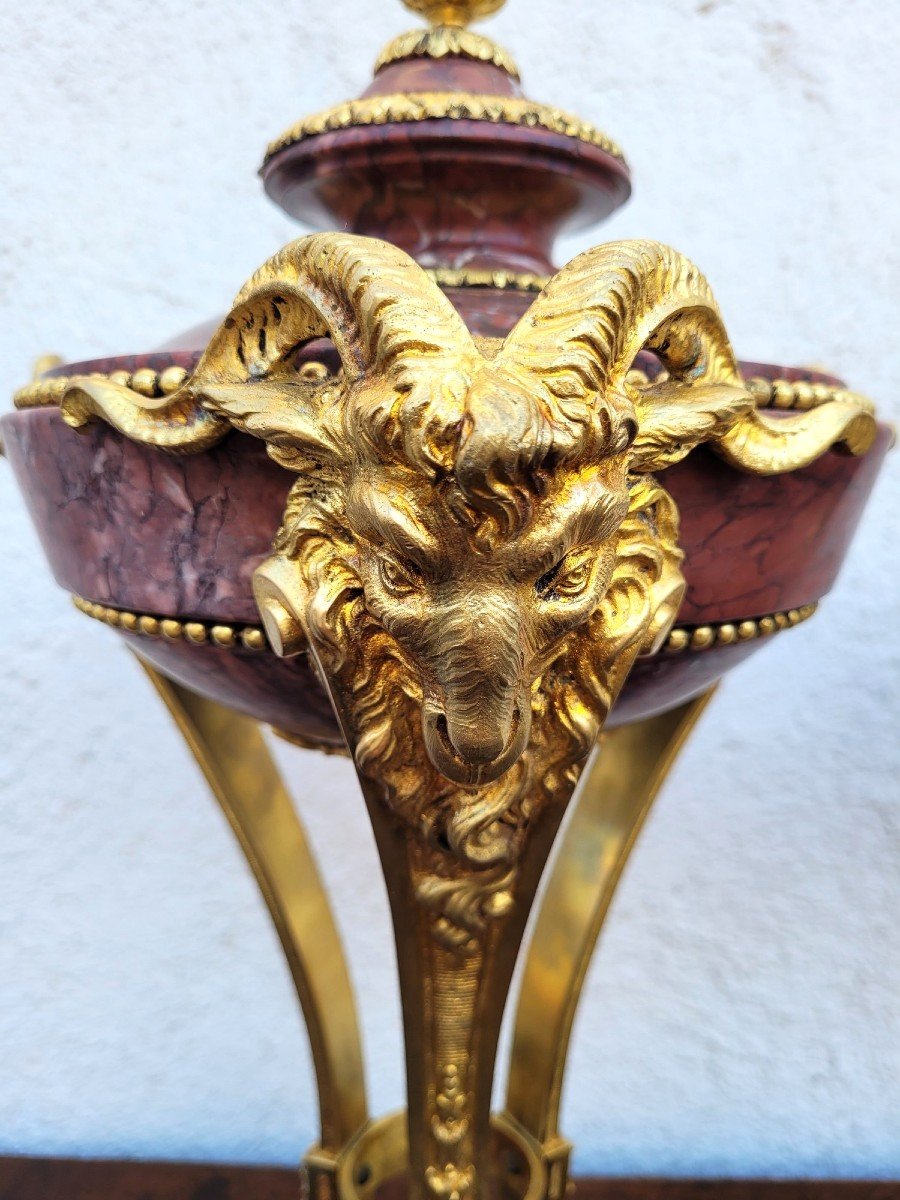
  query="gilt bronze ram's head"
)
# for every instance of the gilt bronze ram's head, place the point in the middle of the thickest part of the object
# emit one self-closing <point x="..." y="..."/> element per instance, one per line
<point x="486" y="506"/>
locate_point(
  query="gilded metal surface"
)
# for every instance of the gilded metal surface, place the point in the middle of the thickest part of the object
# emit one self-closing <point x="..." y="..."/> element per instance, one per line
<point x="252" y="637"/>
<point x="784" y="395"/>
<point x="615" y="796"/>
<point x="45" y="392"/>
<point x="728" y="633"/>
<point x="444" y="41"/>
<point x="474" y="552"/>
<point x="379" y="1153"/>
<point x="405" y="107"/>
<point x="799" y="395"/>
<point x="454" y="12"/>
<point x="232" y="754"/>
<point x="475" y="277"/>
<point x="46" y="362"/>
<point x="173" y="629"/>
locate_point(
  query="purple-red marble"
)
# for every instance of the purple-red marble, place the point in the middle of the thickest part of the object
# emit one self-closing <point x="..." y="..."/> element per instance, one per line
<point x="136" y="529"/>
<point x="451" y="74"/>
<point x="283" y="692"/>
<point x="450" y="192"/>
<point x="129" y="526"/>
<point x="286" y="694"/>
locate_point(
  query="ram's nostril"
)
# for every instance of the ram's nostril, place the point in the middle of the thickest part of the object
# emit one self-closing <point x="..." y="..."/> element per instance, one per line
<point x="476" y="750"/>
<point x="475" y="741"/>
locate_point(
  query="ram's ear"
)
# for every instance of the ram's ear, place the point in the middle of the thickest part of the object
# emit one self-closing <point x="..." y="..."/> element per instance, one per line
<point x="293" y="418"/>
<point x="770" y="444"/>
<point x="674" y="418"/>
<point x="275" y="589"/>
<point x="176" y="423"/>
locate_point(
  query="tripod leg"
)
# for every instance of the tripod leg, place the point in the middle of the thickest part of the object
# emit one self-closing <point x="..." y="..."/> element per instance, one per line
<point x="232" y="754"/>
<point x="616" y="794"/>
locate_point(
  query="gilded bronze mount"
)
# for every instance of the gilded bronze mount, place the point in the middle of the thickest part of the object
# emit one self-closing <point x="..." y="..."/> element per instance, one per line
<point x="476" y="549"/>
<point x="479" y="543"/>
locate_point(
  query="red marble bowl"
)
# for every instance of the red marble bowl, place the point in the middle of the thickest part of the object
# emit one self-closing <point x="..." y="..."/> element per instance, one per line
<point x="141" y="531"/>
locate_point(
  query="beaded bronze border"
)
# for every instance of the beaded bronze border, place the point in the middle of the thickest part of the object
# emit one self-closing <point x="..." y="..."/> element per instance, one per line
<point x="784" y="394"/>
<point x="252" y="637"/>
<point x="800" y="395"/>
<point x="198" y="633"/>
<point x="407" y="107"/>
<point x="48" y="392"/>
<point x="474" y="277"/>
<point x="731" y="633"/>
<point x="446" y="41"/>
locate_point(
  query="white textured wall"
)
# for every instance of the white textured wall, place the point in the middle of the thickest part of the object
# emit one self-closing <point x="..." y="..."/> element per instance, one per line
<point x="743" y="1013"/>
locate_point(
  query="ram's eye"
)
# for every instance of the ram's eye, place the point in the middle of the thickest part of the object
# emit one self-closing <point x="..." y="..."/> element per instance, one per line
<point x="398" y="578"/>
<point x="568" y="578"/>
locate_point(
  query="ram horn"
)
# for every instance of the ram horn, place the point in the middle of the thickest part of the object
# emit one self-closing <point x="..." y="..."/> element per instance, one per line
<point x="582" y="335"/>
<point x="364" y="294"/>
<point x="586" y="328"/>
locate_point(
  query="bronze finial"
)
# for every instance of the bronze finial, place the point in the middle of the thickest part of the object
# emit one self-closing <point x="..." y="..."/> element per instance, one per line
<point x="454" y="12"/>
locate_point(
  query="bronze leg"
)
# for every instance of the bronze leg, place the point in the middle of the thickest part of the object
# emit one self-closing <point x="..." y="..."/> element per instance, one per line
<point x="616" y="794"/>
<point x="453" y="1004"/>
<point x="231" y="752"/>
<point x="476" y="548"/>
